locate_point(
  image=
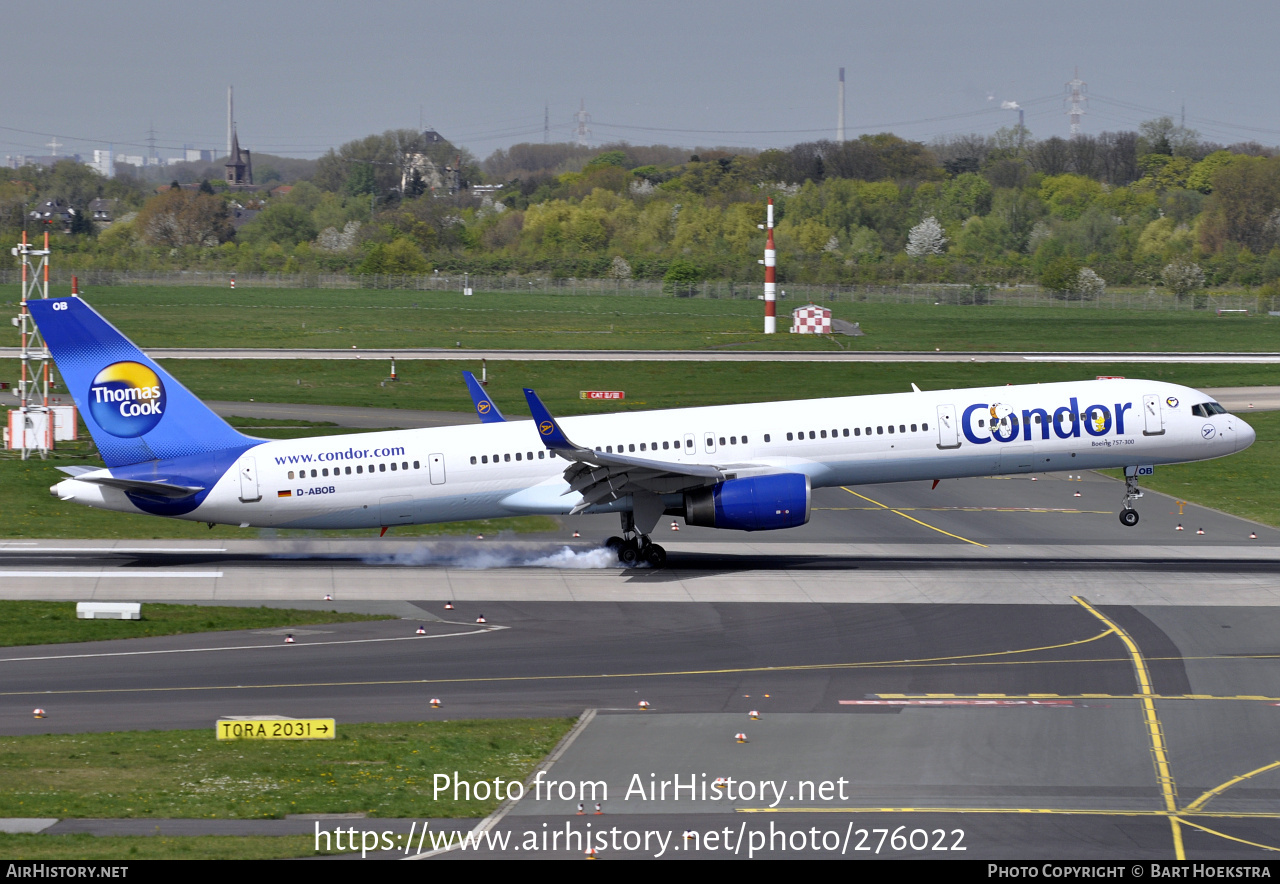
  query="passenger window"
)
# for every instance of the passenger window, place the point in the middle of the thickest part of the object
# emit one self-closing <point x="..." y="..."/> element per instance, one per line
<point x="879" y="431"/>
<point x="313" y="474"/>
<point x="857" y="431"/>
<point x="359" y="468"/>
<point x="608" y="449"/>
<point x="924" y="427"/>
<point x="393" y="466"/>
<point x="642" y="446"/>
<point x="766" y="438"/>
<point x="722" y="440"/>
<point x="416" y="466"/>
<point x="405" y="465"/>
<point x="846" y="431"/>
<point x="528" y="455"/>
<point x="902" y="428"/>
<point x="382" y="468"/>
<point x="688" y="443"/>
<point x="484" y="458"/>
<point x="812" y="435"/>
<point x="744" y="439"/>
<point x="890" y="429"/>
<point x="982" y="423"/>
<point x="325" y="471"/>
<point x="541" y="453"/>
<point x="473" y="458"/>
<point x="824" y="434"/>
<point x="348" y="471"/>
<point x="517" y="455"/>
<point x="913" y="428"/>
<point x="788" y="437"/>
<point x="631" y="447"/>
<point x="507" y="458"/>
<point x="290" y="474"/>
<point x="664" y="445"/>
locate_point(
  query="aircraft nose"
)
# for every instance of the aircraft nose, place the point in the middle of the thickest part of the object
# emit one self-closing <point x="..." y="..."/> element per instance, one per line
<point x="1245" y="435"/>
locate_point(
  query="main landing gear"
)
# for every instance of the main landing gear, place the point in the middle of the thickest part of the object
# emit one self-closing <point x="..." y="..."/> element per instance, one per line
<point x="633" y="547"/>
<point x="1128" y="515"/>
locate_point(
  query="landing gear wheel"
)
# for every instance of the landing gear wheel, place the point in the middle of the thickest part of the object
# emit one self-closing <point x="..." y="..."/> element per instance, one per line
<point x="655" y="555"/>
<point x="1128" y="517"/>
<point x="615" y="543"/>
<point x="629" y="555"/>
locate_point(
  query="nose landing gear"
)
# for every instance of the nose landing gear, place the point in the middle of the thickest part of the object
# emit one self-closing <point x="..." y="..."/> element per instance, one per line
<point x="1128" y="515"/>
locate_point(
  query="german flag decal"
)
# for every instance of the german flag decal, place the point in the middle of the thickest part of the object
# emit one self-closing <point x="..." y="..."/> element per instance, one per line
<point x="284" y="494"/>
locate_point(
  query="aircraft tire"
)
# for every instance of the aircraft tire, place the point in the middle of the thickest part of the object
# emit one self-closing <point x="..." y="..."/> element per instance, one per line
<point x="615" y="543"/>
<point x="655" y="555"/>
<point x="1128" y="517"/>
<point x="629" y="555"/>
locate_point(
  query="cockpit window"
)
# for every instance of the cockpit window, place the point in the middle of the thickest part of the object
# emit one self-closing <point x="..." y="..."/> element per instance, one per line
<point x="1207" y="409"/>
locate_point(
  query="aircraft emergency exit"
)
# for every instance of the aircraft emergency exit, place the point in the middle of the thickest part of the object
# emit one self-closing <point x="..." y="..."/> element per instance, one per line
<point x="749" y="467"/>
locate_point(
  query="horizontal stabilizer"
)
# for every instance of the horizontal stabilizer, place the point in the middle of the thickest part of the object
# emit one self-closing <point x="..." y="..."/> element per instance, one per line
<point x="152" y="489"/>
<point x="78" y="471"/>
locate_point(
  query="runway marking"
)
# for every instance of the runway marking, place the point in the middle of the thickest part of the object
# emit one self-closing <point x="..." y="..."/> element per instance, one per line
<point x="913" y="519"/>
<point x="1046" y="811"/>
<point x="296" y="645"/>
<point x="1229" y="837"/>
<point x="513" y="678"/>
<point x="119" y="549"/>
<point x="1155" y="733"/>
<point x="967" y="509"/>
<point x="1218" y="790"/>
<point x="98" y="575"/>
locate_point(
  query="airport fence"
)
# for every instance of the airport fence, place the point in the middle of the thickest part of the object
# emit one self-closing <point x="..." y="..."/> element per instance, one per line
<point x="792" y="294"/>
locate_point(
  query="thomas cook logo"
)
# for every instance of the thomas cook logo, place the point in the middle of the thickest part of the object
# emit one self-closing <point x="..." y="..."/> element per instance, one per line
<point x="546" y="428"/>
<point x="127" y="399"/>
<point x="483" y="407"/>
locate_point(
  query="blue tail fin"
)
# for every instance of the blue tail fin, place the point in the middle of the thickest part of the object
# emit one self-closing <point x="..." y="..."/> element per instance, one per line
<point x="485" y="407"/>
<point x="133" y="408"/>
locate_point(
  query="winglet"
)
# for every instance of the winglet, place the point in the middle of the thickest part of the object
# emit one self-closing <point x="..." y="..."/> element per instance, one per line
<point x="548" y="430"/>
<point x="485" y="407"/>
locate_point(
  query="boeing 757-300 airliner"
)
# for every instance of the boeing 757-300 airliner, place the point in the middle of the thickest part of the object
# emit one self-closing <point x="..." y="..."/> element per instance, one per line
<point x="746" y="467"/>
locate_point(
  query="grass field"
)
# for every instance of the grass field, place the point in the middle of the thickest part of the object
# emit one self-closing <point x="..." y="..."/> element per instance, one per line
<point x="438" y="386"/>
<point x="164" y="316"/>
<point x="90" y="847"/>
<point x="39" y="623"/>
<point x="382" y="770"/>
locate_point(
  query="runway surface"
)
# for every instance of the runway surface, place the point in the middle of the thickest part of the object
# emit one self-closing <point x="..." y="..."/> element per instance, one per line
<point x="997" y="659"/>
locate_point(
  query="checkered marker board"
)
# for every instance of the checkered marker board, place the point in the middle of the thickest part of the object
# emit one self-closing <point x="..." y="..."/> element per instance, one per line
<point x="811" y="320"/>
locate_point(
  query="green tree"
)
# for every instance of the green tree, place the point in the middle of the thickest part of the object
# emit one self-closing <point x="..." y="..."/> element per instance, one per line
<point x="1061" y="276"/>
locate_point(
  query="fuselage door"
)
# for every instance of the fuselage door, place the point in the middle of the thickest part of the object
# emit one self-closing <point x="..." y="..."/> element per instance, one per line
<point x="248" y="480"/>
<point x="710" y="439"/>
<point x="1152" y="416"/>
<point x="435" y="463"/>
<point x="948" y="427"/>
<point x="688" y="443"/>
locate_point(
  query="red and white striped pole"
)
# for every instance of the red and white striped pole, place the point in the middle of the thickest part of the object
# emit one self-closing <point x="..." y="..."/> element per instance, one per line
<point x="770" y="279"/>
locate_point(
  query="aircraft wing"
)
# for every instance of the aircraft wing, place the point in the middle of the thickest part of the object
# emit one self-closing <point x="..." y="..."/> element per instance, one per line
<point x="601" y="477"/>
<point x="485" y="407"/>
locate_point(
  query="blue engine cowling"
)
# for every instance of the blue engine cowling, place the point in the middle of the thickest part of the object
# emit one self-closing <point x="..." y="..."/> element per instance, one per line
<point x="759" y="503"/>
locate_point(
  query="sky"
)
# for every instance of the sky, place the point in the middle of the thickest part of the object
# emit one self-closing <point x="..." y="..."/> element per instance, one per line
<point x="311" y="75"/>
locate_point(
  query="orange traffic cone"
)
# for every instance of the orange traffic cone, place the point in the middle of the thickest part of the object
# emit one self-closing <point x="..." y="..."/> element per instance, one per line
<point x="38" y="713"/>
<point x="755" y="715"/>
<point x="448" y="606"/>
<point x="1199" y="530"/>
<point x="435" y="702"/>
<point x="741" y="738"/>
<point x="422" y="630"/>
<point x="481" y="619"/>
<point x="1179" y="528"/>
<point x="288" y="639"/>
<point x="644" y="705"/>
<point x="675" y="526"/>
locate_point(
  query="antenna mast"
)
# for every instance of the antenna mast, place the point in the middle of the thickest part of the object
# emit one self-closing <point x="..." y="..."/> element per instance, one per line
<point x="840" y="109"/>
<point x="35" y="419"/>
<point x="1076" y="101"/>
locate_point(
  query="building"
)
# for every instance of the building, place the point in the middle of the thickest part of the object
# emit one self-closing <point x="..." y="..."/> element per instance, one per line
<point x="239" y="165"/>
<point x="103" y="211"/>
<point x="811" y="320"/>
<point x="54" y="214"/>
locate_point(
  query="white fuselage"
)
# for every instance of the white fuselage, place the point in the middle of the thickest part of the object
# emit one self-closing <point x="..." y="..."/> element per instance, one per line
<point x="502" y="469"/>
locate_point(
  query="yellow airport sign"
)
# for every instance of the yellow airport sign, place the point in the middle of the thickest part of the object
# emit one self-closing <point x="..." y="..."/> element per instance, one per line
<point x="276" y="729"/>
